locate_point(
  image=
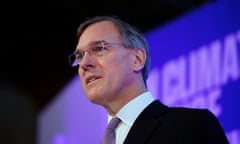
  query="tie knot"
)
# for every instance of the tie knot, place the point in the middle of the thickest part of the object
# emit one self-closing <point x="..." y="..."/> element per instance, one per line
<point x="113" y="123"/>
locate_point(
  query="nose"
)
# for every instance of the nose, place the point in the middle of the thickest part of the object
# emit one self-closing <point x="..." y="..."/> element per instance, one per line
<point x="87" y="61"/>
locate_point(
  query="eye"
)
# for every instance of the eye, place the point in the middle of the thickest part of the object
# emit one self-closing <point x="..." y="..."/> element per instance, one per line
<point x="99" y="49"/>
<point x="79" y="55"/>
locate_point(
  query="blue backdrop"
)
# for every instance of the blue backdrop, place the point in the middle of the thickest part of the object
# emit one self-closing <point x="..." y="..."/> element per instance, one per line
<point x="196" y="62"/>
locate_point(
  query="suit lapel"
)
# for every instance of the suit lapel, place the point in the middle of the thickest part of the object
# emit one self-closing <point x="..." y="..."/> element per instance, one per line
<point x="145" y="123"/>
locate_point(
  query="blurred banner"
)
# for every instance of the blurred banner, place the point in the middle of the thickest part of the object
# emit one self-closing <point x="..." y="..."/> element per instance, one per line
<point x="195" y="63"/>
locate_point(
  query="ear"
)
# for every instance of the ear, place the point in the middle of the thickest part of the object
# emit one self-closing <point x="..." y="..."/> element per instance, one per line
<point x="138" y="59"/>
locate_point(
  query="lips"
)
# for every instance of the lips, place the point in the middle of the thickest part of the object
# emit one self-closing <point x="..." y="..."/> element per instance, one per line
<point x="91" y="79"/>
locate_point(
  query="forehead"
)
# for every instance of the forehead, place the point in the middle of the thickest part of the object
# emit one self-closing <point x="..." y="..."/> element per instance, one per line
<point x="99" y="31"/>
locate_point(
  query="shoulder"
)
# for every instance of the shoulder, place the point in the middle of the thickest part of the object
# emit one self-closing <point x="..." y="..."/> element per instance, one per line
<point x="188" y="124"/>
<point x="193" y="119"/>
<point x="180" y="114"/>
<point x="185" y="110"/>
<point x="194" y="122"/>
<point x="179" y="111"/>
<point x="190" y="112"/>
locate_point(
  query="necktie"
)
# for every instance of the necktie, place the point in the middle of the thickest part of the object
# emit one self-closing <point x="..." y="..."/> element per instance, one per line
<point x="109" y="134"/>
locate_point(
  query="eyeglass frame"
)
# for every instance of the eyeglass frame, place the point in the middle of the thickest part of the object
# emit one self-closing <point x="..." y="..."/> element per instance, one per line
<point x="75" y="59"/>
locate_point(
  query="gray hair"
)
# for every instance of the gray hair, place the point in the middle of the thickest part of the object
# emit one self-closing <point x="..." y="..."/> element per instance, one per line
<point x="130" y="36"/>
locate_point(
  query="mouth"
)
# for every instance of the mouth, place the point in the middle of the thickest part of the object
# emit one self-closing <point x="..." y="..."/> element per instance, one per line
<point x="92" y="79"/>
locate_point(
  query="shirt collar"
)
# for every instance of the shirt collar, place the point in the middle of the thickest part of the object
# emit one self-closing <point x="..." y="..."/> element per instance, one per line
<point x="129" y="112"/>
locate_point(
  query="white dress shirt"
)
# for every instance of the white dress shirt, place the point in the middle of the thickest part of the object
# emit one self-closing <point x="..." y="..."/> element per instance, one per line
<point x="129" y="113"/>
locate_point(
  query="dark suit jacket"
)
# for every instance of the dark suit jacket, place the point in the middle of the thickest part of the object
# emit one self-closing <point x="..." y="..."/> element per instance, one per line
<point x="158" y="124"/>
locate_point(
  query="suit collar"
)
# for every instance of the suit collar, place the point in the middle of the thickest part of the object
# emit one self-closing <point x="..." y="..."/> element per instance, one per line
<point x="145" y="123"/>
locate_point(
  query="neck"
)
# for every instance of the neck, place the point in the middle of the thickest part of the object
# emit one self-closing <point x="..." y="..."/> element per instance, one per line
<point x="114" y="106"/>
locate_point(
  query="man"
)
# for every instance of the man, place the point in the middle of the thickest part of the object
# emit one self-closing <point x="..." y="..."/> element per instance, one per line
<point x="113" y="59"/>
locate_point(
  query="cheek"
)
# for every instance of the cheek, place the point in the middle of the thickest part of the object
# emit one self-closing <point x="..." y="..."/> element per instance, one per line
<point x="80" y="75"/>
<point x="116" y="67"/>
<point x="119" y="67"/>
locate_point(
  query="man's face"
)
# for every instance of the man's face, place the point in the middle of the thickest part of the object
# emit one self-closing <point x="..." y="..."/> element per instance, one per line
<point x="107" y="77"/>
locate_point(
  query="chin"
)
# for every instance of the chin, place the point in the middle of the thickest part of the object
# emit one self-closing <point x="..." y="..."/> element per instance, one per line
<point x="94" y="99"/>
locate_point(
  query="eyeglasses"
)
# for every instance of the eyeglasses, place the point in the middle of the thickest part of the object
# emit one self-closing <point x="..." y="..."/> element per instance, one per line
<point x="97" y="49"/>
